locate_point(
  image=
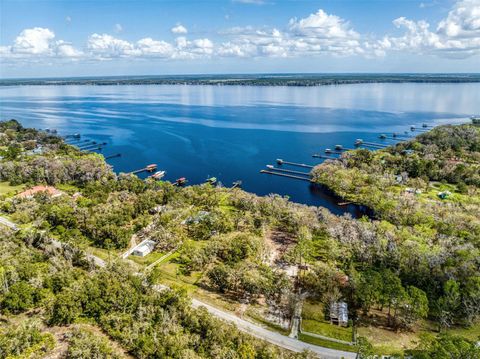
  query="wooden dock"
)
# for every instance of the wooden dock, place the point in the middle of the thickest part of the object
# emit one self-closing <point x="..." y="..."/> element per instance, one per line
<point x="282" y="162"/>
<point x="113" y="156"/>
<point x="316" y="155"/>
<point x="371" y="146"/>
<point x="286" y="175"/>
<point x="149" y="168"/>
<point x="93" y="145"/>
<point x="271" y="168"/>
<point x="375" y="144"/>
<point x="394" y="139"/>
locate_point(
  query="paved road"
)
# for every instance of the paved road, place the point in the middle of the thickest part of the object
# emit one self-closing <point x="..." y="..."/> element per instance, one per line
<point x="242" y="324"/>
<point x="273" y="337"/>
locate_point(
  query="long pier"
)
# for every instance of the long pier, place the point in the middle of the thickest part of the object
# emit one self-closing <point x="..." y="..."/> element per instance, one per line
<point x="316" y="155"/>
<point x="376" y="144"/>
<point x="401" y="136"/>
<point x="286" y="175"/>
<point x="371" y="146"/>
<point x="81" y="146"/>
<point x="271" y="168"/>
<point x="138" y="171"/>
<point x="93" y="145"/>
<point x="149" y="168"/>
<point x="113" y="156"/>
<point x="391" y="138"/>
<point x="282" y="162"/>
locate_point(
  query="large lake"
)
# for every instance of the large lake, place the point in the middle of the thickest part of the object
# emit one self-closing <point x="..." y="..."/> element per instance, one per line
<point x="232" y="132"/>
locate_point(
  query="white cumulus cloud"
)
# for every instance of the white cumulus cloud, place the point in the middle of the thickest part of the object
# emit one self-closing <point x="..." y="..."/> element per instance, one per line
<point x="458" y="35"/>
<point x="37" y="43"/>
<point x="179" y="29"/>
<point x="107" y="46"/>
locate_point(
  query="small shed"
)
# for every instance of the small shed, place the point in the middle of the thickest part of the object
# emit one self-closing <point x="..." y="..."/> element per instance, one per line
<point x="144" y="248"/>
<point x="339" y="313"/>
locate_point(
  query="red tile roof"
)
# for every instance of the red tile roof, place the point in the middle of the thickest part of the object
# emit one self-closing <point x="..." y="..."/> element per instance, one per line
<point x="49" y="190"/>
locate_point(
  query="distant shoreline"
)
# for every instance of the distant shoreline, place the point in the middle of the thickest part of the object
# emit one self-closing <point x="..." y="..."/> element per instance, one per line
<point x="300" y="80"/>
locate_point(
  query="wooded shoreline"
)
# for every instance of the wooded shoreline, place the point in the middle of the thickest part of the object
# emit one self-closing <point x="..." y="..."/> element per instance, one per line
<point x="300" y="80"/>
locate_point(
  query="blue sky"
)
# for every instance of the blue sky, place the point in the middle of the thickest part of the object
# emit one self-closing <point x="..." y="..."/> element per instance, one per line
<point x="81" y="38"/>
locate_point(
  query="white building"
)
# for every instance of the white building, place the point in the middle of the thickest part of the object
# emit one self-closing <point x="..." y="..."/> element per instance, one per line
<point x="144" y="248"/>
<point x="339" y="313"/>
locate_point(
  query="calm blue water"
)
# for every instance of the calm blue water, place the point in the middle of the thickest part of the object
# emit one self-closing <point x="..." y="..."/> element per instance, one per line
<point x="233" y="132"/>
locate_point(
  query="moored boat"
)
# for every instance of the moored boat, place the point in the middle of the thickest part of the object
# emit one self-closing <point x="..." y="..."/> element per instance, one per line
<point x="212" y="180"/>
<point x="180" y="181"/>
<point x="151" y="168"/>
<point x="159" y="175"/>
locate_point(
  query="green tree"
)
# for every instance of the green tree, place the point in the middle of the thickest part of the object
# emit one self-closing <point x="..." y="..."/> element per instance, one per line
<point x="219" y="277"/>
<point x="19" y="298"/>
<point x="445" y="347"/>
<point x="369" y="289"/>
<point x="414" y="307"/>
<point x="447" y="305"/>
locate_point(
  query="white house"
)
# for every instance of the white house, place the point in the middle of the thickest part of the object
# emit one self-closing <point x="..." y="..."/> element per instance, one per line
<point x="144" y="248"/>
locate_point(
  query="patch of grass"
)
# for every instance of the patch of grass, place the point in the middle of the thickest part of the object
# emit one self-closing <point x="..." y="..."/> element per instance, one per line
<point x="70" y="189"/>
<point x="327" y="329"/>
<point x="472" y="333"/>
<point x="148" y="259"/>
<point x="7" y="189"/>
<point x="216" y="300"/>
<point x="326" y="343"/>
<point x="313" y="311"/>
<point x="313" y="321"/>
<point x="389" y="342"/>
<point x="104" y="254"/>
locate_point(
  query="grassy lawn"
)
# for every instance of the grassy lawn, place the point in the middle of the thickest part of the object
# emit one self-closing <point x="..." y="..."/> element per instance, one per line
<point x="104" y="254"/>
<point x="313" y="321"/>
<point x="472" y="333"/>
<point x="70" y="189"/>
<point x="456" y="196"/>
<point x="388" y="342"/>
<point x="7" y="189"/>
<point x="327" y="329"/>
<point x="148" y="259"/>
<point x="326" y="343"/>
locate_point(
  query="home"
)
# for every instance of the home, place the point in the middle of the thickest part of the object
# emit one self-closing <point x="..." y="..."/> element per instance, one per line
<point x="339" y="313"/>
<point x="144" y="248"/>
<point x="48" y="190"/>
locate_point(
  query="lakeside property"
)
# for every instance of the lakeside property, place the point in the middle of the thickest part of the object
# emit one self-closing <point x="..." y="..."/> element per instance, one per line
<point x="406" y="282"/>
